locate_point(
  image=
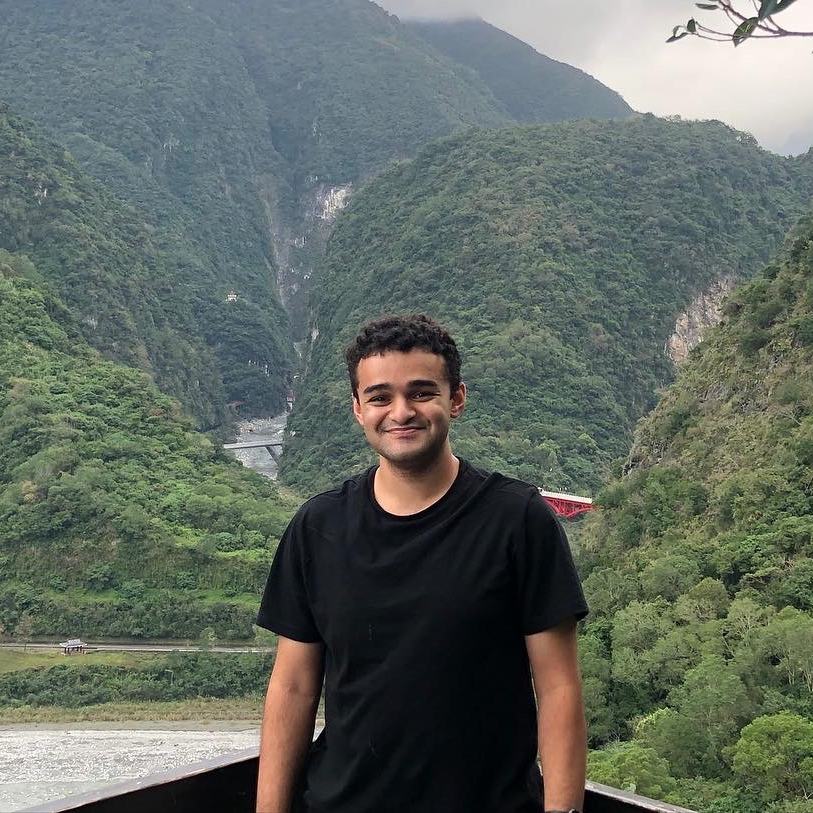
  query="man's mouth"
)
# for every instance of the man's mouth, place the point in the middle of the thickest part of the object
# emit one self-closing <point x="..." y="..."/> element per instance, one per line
<point x="403" y="430"/>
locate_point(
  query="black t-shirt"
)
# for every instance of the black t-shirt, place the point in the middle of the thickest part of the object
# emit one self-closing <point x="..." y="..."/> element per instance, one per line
<point x="429" y="705"/>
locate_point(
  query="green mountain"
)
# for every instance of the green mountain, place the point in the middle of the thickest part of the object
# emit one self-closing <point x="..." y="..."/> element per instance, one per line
<point x="243" y="123"/>
<point x="210" y="141"/>
<point x="345" y="86"/>
<point x="560" y="256"/>
<point x="530" y="86"/>
<point x="116" y="517"/>
<point x="699" y="648"/>
<point x="143" y="291"/>
<point x="234" y="117"/>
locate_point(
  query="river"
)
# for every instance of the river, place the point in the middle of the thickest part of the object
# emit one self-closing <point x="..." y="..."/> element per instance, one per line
<point x="267" y="429"/>
<point x="38" y="764"/>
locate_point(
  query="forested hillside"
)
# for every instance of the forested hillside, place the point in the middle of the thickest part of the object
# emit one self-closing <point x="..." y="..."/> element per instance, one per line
<point x="209" y="140"/>
<point x="243" y="119"/>
<point x="142" y="290"/>
<point x="560" y="256"/>
<point x="699" y="647"/>
<point x="116" y="517"/>
<point x="532" y="87"/>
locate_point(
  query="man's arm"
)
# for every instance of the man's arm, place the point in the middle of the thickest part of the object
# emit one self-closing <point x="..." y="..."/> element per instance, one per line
<point x="562" y="729"/>
<point x="288" y="722"/>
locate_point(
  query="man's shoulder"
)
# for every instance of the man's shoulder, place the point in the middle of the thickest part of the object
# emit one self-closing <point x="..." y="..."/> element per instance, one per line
<point x="328" y="505"/>
<point x="501" y="488"/>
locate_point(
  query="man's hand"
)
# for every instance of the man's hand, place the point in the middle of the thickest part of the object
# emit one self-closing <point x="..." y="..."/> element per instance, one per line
<point x="288" y="722"/>
<point x="562" y="729"/>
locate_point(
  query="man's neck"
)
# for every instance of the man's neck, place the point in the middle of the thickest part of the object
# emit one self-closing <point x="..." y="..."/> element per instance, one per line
<point x="402" y="491"/>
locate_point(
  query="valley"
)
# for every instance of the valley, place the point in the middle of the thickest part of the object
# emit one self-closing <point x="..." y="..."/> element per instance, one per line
<point x="202" y="202"/>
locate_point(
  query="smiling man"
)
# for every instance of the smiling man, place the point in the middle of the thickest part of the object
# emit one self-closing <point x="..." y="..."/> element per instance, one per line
<point x="431" y="598"/>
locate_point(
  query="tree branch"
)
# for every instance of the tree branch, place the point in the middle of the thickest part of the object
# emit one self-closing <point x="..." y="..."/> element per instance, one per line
<point x="745" y="27"/>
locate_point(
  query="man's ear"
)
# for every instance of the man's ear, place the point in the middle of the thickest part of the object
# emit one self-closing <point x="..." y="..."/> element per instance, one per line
<point x="458" y="400"/>
<point x="357" y="410"/>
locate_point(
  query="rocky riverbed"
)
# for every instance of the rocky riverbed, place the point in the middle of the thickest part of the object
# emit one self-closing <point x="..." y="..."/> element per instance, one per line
<point x="267" y="429"/>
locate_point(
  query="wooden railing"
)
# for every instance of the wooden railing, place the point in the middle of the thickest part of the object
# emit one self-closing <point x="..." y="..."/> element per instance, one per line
<point x="227" y="785"/>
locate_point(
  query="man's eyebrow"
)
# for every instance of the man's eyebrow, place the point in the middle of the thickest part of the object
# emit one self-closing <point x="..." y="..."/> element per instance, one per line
<point x="375" y="388"/>
<point x="418" y="382"/>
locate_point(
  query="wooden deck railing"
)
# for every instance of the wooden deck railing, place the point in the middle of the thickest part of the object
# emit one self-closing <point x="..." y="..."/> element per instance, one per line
<point x="227" y="785"/>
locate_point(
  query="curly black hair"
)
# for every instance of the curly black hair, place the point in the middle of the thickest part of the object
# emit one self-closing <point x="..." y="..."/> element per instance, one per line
<point x="403" y="333"/>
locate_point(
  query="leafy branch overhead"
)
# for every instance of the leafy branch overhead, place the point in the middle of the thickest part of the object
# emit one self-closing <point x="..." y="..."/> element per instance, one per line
<point x="760" y="25"/>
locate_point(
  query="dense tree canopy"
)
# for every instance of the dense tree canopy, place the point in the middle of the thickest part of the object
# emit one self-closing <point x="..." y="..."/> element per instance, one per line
<point x="142" y="291"/>
<point x="177" y="676"/>
<point x="698" y="567"/>
<point x="116" y="517"/>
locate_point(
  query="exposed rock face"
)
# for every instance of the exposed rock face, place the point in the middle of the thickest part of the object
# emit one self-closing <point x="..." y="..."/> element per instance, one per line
<point x="704" y="312"/>
<point x="299" y="234"/>
<point x="330" y="200"/>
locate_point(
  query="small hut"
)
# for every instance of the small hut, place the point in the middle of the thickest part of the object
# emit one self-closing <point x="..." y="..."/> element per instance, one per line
<point x="74" y="646"/>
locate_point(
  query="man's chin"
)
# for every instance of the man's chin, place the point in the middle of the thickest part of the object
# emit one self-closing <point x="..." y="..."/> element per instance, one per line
<point x="415" y="459"/>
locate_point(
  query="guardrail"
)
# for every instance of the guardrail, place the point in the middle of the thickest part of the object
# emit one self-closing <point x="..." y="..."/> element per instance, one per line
<point x="227" y="783"/>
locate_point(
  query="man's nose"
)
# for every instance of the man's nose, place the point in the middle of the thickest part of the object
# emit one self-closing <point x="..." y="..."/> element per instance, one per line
<point x="402" y="411"/>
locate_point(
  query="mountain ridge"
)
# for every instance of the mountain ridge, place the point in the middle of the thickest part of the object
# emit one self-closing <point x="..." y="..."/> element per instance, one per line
<point x="531" y="86"/>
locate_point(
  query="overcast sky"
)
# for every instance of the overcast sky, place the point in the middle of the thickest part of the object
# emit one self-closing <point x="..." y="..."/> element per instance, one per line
<point x="764" y="87"/>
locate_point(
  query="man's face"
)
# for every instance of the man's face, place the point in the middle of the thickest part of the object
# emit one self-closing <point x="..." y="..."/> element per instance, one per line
<point x="404" y="406"/>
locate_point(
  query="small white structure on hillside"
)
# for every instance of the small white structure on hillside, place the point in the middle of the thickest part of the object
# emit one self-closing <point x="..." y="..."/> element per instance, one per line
<point x="73" y="646"/>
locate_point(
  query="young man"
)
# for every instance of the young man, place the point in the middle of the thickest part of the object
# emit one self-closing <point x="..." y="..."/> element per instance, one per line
<point x="432" y="598"/>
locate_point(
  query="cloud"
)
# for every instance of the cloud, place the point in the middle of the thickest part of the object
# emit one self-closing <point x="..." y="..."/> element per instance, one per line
<point x="763" y="87"/>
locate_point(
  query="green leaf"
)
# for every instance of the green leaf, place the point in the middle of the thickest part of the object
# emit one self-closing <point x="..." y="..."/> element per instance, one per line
<point x="675" y="36"/>
<point x="783" y="4"/>
<point x="744" y="30"/>
<point x="766" y="8"/>
<point x="691" y="26"/>
<point x="708" y="6"/>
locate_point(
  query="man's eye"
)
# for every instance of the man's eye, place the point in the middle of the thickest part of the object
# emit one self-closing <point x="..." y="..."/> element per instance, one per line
<point x="423" y="395"/>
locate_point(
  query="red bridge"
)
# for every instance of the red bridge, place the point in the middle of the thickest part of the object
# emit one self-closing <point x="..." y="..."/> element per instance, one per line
<point x="567" y="506"/>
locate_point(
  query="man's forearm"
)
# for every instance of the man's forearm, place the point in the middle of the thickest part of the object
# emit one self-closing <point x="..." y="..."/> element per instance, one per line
<point x="563" y="747"/>
<point x="287" y="731"/>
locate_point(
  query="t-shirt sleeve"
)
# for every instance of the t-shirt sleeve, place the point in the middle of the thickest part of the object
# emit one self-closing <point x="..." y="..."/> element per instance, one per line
<point x="549" y="588"/>
<point x="285" y="608"/>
